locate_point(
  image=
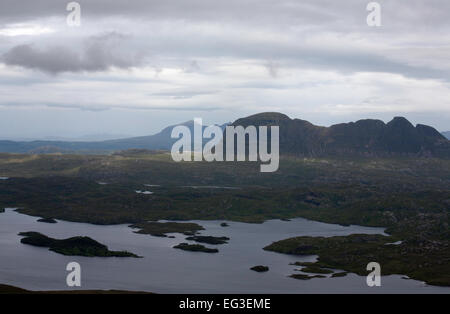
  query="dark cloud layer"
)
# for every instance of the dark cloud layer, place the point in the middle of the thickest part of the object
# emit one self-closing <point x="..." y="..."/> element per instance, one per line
<point x="98" y="53"/>
<point x="284" y="17"/>
<point x="342" y="15"/>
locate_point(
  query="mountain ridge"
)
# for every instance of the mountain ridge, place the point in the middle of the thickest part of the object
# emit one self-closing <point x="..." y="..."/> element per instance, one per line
<point x="367" y="137"/>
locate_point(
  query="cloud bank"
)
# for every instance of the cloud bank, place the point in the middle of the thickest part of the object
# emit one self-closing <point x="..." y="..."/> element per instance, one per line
<point x="313" y="59"/>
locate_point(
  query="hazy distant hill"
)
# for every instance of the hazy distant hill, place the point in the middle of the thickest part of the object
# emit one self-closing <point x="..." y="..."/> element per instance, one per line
<point x="84" y="138"/>
<point x="159" y="141"/>
<point x="446" y="134"/>
<point x="297" y="137"/>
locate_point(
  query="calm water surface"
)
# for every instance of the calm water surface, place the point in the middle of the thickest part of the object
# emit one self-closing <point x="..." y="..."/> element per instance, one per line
<point x="167" y="270"/>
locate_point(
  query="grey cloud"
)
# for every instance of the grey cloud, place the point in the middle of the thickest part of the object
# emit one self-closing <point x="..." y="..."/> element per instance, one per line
<point x="21" y="104"/>
<point x="192" y="67"/>
<point x="341" y="15"/>
<point x="98" y="53"/>
<point x="107" y="107"/>
<point x="272" y="85"/>
<point x="298" y="19"/>
<point x="210" y="39"/>
<point x="183" y="94"/>
<point x="93" y="108"/>
<point x="206" y="10"/>
<point x="290" y="55"/>
<point x="150" y="107"/>
<point x="272" y="68"/>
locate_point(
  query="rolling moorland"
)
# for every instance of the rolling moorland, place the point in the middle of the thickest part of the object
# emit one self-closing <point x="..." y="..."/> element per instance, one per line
<point x="370" y="181"/>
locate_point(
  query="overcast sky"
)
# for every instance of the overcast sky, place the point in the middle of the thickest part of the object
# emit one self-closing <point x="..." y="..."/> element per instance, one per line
<point x="134" y="67"/>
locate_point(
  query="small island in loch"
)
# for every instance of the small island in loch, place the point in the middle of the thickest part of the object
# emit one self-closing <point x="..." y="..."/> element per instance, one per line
<point x="305" y="277"/>
<point x="76" y="246"/>
<point x="209" y="239"/>
<point x="316" y="270"/>
<point x="195" y="248"/>
<point x="47" y="220"/>
<point x="260" y="268"/>
<point x="341" y="274"/>
<point x="160" y="229"/>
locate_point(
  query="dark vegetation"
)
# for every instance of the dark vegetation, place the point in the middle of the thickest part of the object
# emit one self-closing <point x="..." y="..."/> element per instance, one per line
<point x="76" y="246"/>
<point x="419" y="258"/>
<point x="260" y="268"/>
<point x="6" y="289"/>
<point x="159" y="229"/>
<point x="316" y="270"/>
<point x="306" y="277"/>
<point x="209" y="239"/>
<point x="195" y="248"/>
<point x="47" y="220"/>
<point x="376" y="192"/>
<point x="341" y="274"/>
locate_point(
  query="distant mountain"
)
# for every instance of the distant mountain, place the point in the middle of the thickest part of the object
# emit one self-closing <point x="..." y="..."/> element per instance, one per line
<point x="364" y="137"/>
<point x="159" y="141"/>
<point x="297" y="137"/>
<point x="446" y="134"/>
<point x="84" y="138"/>
<point x="89" y="137"/>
